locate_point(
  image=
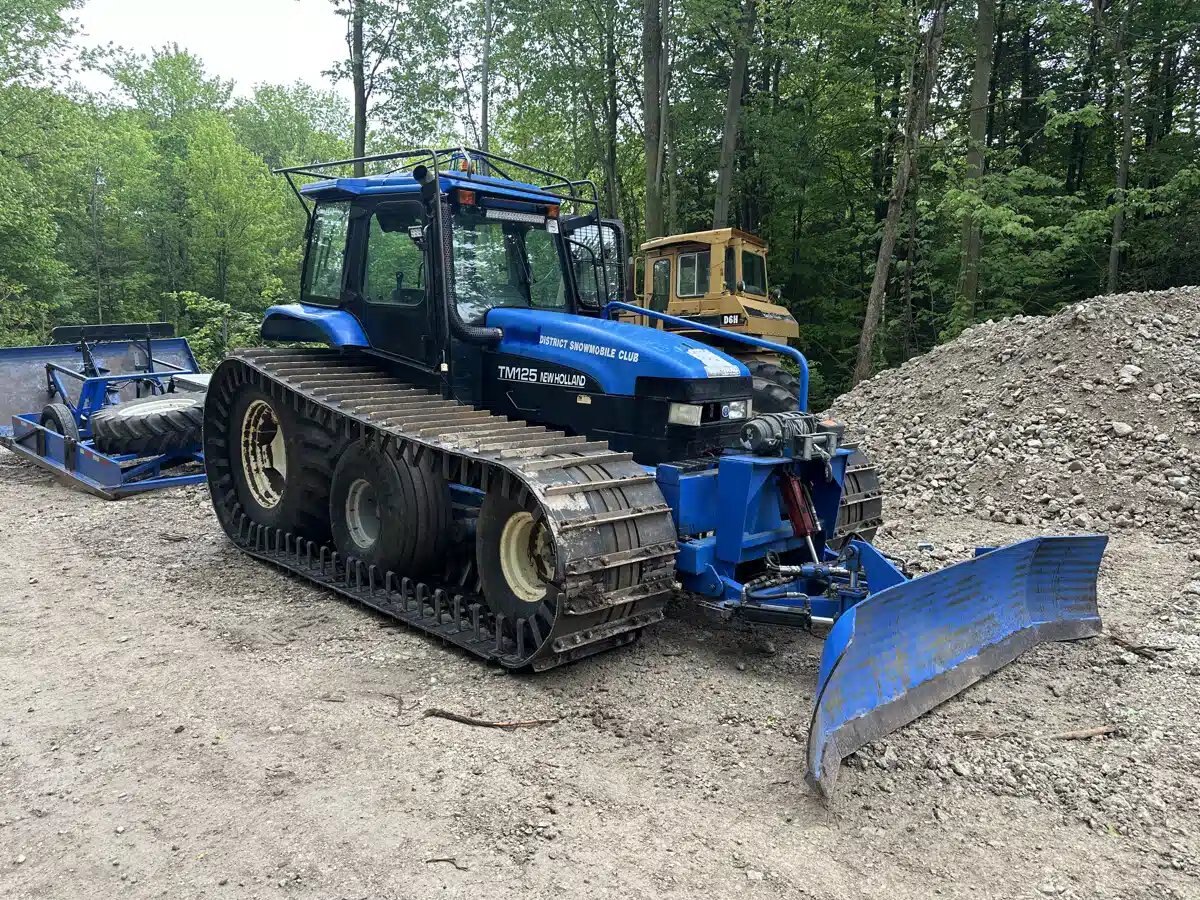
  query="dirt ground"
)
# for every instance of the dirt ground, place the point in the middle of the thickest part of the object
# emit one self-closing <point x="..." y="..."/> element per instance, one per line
<point x="181" y="721"/>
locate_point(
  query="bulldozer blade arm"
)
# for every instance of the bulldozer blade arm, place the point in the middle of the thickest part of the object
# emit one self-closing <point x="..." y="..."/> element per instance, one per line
<point x="906" y="649"/>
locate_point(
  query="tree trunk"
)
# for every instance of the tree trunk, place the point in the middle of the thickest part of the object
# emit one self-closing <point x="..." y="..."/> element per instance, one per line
<point x="359" y="77"/>
<point x="652" y="102"/>
<point x="733" y="110"/>
<point x="910" y="265"/>
<point x="1025" y="111"/>
<point x="994" y="82"/>
<point x="485" y="66"/>
<point x="1078" y="152"/>
<point x="972" y="239"/>
<point x="611" y="118"/>
<point x="1118" y="228"/>
<point x="924" y="74"/>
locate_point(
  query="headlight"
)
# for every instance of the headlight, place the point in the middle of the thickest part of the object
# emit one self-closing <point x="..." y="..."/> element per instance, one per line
<point x="736" y="409"/>
<point x="685" y="414"/>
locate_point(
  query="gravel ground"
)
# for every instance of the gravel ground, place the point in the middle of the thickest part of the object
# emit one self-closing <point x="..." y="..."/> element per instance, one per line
<point x="181" y="721"/>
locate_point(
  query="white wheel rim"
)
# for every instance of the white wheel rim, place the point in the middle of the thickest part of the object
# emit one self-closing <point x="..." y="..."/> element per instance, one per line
<point x="362" y="514"/>
<point x="264" y="456"/>
<point x="526" y="557"/>
<point x="152" y="407"/>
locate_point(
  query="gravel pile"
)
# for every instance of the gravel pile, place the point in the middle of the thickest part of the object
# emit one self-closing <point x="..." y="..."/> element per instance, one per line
<point x="1088" y="419"/>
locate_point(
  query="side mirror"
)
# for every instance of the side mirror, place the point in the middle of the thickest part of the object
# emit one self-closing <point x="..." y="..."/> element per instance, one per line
<point x="777" y="294"/>
<point x="741" y="287"/>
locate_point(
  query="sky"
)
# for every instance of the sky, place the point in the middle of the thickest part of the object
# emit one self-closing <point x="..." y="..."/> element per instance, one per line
<point x="249" y="41"/>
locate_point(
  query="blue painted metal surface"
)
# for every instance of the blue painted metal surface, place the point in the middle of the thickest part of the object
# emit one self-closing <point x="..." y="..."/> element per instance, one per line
<point x="615" y="354"/>
<point x="32" y="377"/>
<point x="897" y="647"/>
<point x="791" y="352"/>
<point x="733" y="512"/>
<point x="403" y="183"/>
<point x="26" y="385"/>
<point x="298" y="321"/>
<point x="909" y="647"/>
<point x="82" y="465"/>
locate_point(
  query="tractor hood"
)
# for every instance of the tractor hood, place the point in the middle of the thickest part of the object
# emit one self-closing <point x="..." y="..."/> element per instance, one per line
<point x="613" y="354"/>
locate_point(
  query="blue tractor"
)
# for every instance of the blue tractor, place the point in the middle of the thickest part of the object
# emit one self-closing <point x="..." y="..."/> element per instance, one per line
<point x="478" y="449"/>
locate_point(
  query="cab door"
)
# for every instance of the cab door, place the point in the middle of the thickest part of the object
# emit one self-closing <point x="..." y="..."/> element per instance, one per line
<point x="392" y="294"/>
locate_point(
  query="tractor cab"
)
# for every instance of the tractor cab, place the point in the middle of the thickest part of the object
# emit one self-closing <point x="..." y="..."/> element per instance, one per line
<point x="492" y="289"/>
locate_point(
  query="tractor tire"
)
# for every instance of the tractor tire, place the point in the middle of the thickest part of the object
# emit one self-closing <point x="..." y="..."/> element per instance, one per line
<point x="281" y="464"/>
<point x="388" y="512"/>
<point x="57" y="417"/>
<point x="774" y="388"/>
<point x="861" y="511"/>
<point x="149" y="426"/>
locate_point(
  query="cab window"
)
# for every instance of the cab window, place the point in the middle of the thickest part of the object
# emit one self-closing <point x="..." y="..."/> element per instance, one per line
<point x="395" y="272"/>
<point x="730" y="270"/>
<point x="639" y="276"/>
<point x="693" y="274"/>
<point x="754" y="273"/>
<point x="503" y="263"/>
<point x="327" y="252"/>
<point x="660" y="289"/>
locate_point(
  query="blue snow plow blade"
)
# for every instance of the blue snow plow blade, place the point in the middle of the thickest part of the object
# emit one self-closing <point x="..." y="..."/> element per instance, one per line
<point x="906" y="649"/>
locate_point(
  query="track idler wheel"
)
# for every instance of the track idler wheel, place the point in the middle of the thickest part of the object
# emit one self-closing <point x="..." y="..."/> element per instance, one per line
<point x="515" y="553"/>
<point x="388" y="512"/>
<point x="280" y="465"/>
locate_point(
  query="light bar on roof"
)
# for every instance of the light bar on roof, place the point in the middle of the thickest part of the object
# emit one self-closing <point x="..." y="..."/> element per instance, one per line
<point x="509" y="215"/>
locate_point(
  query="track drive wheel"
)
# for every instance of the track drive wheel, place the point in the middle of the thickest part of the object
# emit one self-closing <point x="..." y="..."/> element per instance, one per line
<point x="57" y="417"/>
<point x="515" y="552"/>
<point x="388" y="512"/>
<point x="280" y="463"/>
<point x="774" y="387"/>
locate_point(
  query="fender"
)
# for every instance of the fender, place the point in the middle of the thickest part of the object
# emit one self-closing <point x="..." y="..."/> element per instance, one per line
<point x="314" y="324"/>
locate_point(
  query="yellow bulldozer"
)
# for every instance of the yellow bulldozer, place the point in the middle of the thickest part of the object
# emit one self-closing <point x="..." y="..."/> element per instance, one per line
<point x="719" y="278"/>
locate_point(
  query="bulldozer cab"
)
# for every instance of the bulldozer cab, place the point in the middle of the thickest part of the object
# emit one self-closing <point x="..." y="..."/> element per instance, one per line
<point x="716" y="278"/>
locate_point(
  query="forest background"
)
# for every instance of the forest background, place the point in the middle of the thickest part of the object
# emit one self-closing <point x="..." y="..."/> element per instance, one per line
<point x="916" y="167"/>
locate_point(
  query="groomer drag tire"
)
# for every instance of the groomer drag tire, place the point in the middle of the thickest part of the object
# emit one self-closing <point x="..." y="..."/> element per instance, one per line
<point x="152" y="425"/>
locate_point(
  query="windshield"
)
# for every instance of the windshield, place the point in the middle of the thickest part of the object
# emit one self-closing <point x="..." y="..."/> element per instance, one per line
<point x="754" y="273"/>
<point x="499" y="263"/>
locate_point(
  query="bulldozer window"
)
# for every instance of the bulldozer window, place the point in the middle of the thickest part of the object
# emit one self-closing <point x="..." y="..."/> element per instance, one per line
<point x="500" y="263"/>
<point x="730" y="270"/>
<point x="326" y="253"/>
<point x="693" y="274"/>
<point x="395" y="271"/>
<point x="639" y="276"/>
<point x="660" y="295"/>
<point x="754" y="273"/>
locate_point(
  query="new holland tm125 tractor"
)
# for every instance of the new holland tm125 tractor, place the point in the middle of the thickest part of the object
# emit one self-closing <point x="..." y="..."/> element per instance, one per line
<point x="481" y="451"/>
<point x="719" y="278"/>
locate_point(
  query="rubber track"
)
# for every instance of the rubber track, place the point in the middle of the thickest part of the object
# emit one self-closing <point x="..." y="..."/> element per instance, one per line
<point x="615" y="538"/>
<point x="861" y="510"/>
